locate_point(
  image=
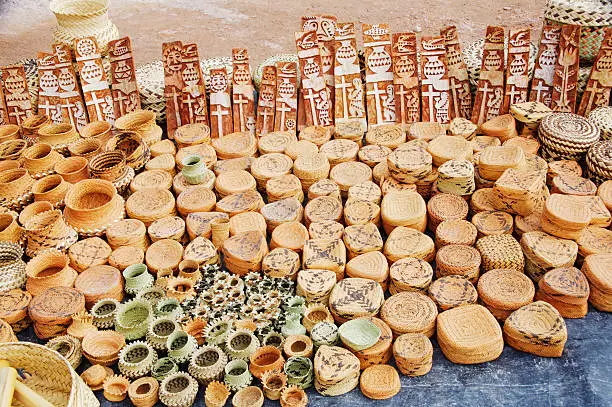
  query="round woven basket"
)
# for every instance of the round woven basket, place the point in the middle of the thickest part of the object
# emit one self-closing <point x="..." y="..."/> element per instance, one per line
<point x="40" y="160"/>
<point x="134" y="148"/>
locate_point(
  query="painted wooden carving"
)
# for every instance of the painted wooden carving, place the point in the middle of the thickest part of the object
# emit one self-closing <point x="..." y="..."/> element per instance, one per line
<point x="71" y="99"/>
<point x="126" y="98"/>
<point x="380" y="94"/>
<point x="48" y="87"/>
<point x="221" y="122"/>
<point x="97" y="94"/>
<point x="194" y="108"/>
<point x="317" y="100"/>
<point x="349" y="91"/>
<point x="490" y="92"/>
<point x="18" y="103"/>
<point x="517" y="75"/>
<point x="459" y="84"/>
<point x="435" y="91"/>
<point x="267" y="101"/>
<point x="3" y="114"/>
<point x="243" y="98"/>
<point x="597" y="92"/>
<point x="406" y="78"/>
<point x="325" y="27"/>
<point x="565" y="80"/>
<point x="172" y="58"/>
<point x="548" y="51"/>
<point x="285" y="118"/>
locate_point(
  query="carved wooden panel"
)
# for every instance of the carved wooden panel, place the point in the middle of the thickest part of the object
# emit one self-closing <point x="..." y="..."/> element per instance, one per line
<point x="517" y="75"/>
<point x="48" y="87"/>
<point x="380" y="93"/>
<point x="3" y="114"/>
<point x="349" y="90"/>
<point x="406" y="78"/>
<point x="459" y="83"/>
<point x="243" y="98"/>
<point x="194" y="108"/>
<point x="597" y="92"/>
<point x="548" y="51"/>
<point x="126" y="98"/>
<point x="317" y="102"/>
<point x="285" y="118"/>
<point x="96" y="93"/>
<point x="490" y="92"/>
<point x="221" y="122"/>
<point x="172" y="58"/>
<point x="16" y="96"/>
<point x="267" y="101"/>
<point x="71" y="99"/>
<point x="565" y="81"/>
<point x="435" y="92"/>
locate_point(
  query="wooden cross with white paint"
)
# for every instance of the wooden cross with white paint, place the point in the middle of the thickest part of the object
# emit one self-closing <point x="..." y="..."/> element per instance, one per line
<point x="377" y="92"/>
<point x="219" y="113"/>
<point x="485" y="91"/>
<point x="240" y="100"/>
<point x="431" y="94"/>
<point x="189" y="101"/>
<point x="311" y="97"/>
<point x="344" y="85"/>
<point x="96" y="103"/>
<point x="283" y="108"/>
<point x="540" y="88"/>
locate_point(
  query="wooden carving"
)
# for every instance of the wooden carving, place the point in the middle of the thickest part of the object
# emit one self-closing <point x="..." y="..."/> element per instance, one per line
<point x="97" y="95"/>
<point x="349" y="101"/>
<point x="317" y="100"/>
<point x="459" y="84"/>
<point x="267" y="101"/>
<point x="325" y="26"/>
<point x="126" y="98"/>
<point x="71" y="99"/>
<point x="194" y="108"/>
<point x="220" y="103"/>
<point x="598" y="87"/>
<point x="517" y="76"/>
<point x="380" y="94"/>
<point x="243" y="97"/>
<point x="18" y="104"/>
<point x="548" y="51"/>
<point x="490" y="92"/>
<point x="48" y="87"/>
<point x="435" y="91"/>
<point x="285" y="118"/>
<point x="3" y="115"/>
<point x="172" y="58"/>
<point x="565" y="80"/>
<point x="406" y="78"/>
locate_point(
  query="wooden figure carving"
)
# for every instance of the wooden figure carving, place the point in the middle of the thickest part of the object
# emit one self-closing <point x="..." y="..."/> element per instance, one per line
<point x="285" y="118"/>
<point x="48" y="87"/>
<point x="3" y="114"/>
<point x="565" y="80"/>
<point x="267" y="101"/>
<point x="435" y="91"/>
<point x="349" y="97"/>
<point x="220" y="103"/>
<point x="517" y="76"/>
<point x="194" y="108"/>
<point x="18" y="104"/>
<point x="406" y="78"/>
<point x="598" y="87"/>
<point x="243" y="98"/>
<point x="459" y="83"/>
<point x="126" y="98"/>
<point x="97" y="95"/>
<point x="317" y="100"/>
<point x="325" y="26"/>
<point x="71" y="99"/>
<point x="548" y="51"/>
<point x="380" y="94"/>
<point x="490" y="92"/>
<point x="172" y="58"/>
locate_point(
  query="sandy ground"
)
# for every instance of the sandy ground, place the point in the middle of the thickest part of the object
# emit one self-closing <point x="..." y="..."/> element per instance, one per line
<point x="265" y="27"/>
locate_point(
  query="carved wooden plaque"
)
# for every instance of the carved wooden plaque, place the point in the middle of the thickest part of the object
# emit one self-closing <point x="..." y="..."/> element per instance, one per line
<point x="267" y="101"/>
<point x="597" y="92"/>
<point x="285" y="118"/>
<point x="123" y="77"/>
<point x="436" y="103"/>
<point x="221" y="122"/>
<point x="172" y="59"/>
<point x="406" y="78"/>
<point x="565" y="81"/>
<point x="459" y="83"/>
<point x="490" y="92"/>
<point x="517" y="75"/>
<point x="548" y="51"/>
<point x="17" y="98"/>
<point x="380" y="93"/>
<point x="71" y="99"/>
<point x="243" y="98"/>
<point x="48" y="87"/>
<point x="194" y="108"/>
<point x="3" y="114"/>
<point x="96" y="93"/>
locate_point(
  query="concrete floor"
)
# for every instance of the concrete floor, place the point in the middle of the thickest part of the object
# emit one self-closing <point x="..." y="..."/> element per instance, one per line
<point x="265" y="27"/>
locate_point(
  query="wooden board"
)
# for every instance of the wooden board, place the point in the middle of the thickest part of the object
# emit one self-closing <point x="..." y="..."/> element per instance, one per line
<point x="380" y="92"/>
<point x="285" y="118"/>
<point x="597" y="92"/>
<point x="490" y="92"/>
<point x="517" y="75"/>
<point x="459" y="83"/>
<point x="48" y="87"/>
<point x="267" y="101"/>
<point x="436" y="103"/>
<point x="565" y="81"/>
<point x="406" y="78"/>
<point x="548" y="51"/>
<point x="194" y="108"/>
<point x="243" y="97"/>
<point x="172" y="59"/>
<point x="16" y="96"/>
<point x="221" y="122"/>
<point x="3" y="113"/>
<point x="71" y="99"/>
<point x="126" y="98"/>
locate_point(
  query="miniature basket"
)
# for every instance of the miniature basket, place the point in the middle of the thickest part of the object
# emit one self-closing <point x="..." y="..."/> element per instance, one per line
<point x="86" y="148"/>
<point x="40" y="160"/>
<point x="141" y="122"/>
<point x="47" y="269"/>
<point x="12" y="149"/>
<point x="72" y="169"/>
<point x="10" y="231"/>
<point x="59" y="136"/>
<point x="15" y="188"/>
<point x="150" y="204"/>
<point x="99" y="130"/>
<point x="9" y="132"/>
<point x="135" y="149"/>
<point x="48" y="230"/>
<point x="52" y="189"/>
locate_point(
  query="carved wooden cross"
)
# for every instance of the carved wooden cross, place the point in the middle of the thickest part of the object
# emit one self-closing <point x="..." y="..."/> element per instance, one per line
<point x="219" y="113"/>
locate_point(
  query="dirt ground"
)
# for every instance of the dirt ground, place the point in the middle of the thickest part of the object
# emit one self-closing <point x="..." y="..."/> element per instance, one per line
<point x="265" y="27"/>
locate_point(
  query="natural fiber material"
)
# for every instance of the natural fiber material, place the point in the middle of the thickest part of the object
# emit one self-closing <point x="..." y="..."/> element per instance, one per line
<point x="452" y="291"/>
<point x="69" y="347"/>
<point x="143" y="392"/>
<point x="380" y="382"/>
<point x="178" y="390"/>
<point x="566" y="289"/>
<point x="413" y="354"/>
<point x="366" y="299"/>
<point x="410" y="312"/>
<point x="406" y="242"/>
<point x="500" y="251"/>
<point x="503" y="290"/>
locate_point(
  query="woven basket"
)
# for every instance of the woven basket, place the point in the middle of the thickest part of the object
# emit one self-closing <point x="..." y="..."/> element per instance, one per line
<point x="50" y="375"/>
